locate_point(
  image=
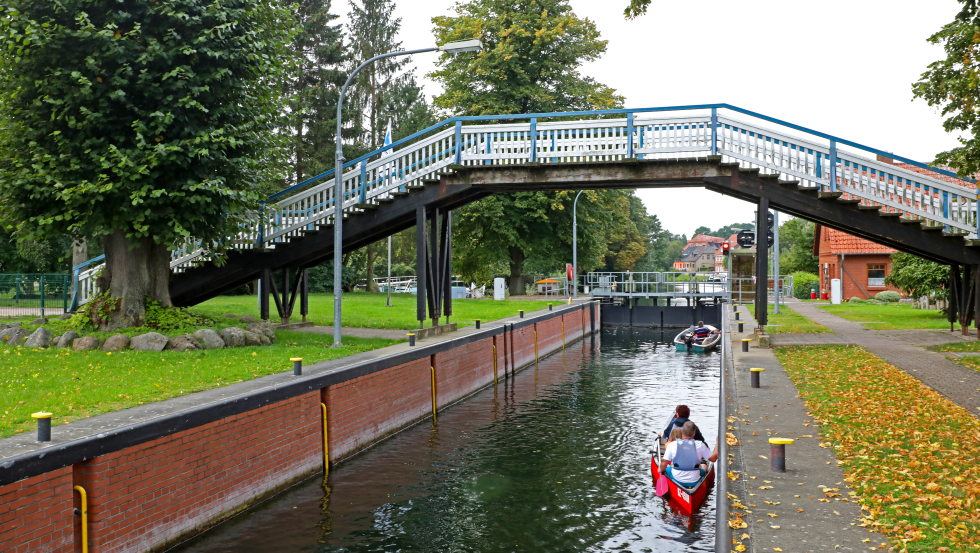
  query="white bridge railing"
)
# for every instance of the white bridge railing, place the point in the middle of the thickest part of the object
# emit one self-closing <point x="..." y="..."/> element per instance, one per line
<point x="815" y="159"/>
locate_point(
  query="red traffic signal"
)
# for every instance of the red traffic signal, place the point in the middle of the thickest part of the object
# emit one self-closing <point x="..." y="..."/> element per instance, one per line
<point x="725" y="247"/>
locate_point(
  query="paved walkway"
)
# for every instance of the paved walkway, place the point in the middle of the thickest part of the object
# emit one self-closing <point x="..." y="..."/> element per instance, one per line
<point x="806" y="519"/>
<point x="904" y="349"/>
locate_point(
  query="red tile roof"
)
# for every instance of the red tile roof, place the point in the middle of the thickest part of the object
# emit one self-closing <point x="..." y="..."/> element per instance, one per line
<point x="841" y="242"/>
<point x="935" y="175"/>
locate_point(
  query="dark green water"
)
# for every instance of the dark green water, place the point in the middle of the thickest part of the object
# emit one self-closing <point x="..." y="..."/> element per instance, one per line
<point x="554" y="460"/>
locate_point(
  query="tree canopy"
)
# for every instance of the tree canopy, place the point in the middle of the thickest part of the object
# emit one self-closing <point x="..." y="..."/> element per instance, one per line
<point x="918" y="277"/>
<point x="796" y="247"/>
<point x="143" y="123"/>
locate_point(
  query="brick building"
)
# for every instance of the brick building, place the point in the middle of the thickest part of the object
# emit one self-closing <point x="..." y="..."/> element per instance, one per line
<point x="862" y="265"/>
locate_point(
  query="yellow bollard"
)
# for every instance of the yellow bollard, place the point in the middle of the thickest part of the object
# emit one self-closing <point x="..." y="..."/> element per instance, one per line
<point x="433" y="369"/>
<point x="563" y="334"/>
<point x="326" y="443"/>
<point x="81" y="492"/>
<point x="494" y="365"/>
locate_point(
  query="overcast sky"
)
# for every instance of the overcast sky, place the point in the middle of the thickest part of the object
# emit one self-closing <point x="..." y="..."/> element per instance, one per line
<point x="841" y="67"/>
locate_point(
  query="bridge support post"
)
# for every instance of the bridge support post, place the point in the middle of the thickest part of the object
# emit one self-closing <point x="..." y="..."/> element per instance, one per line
<point x="953" y="301"/>
<point x="976" y="299"/>
<point x="762" y="263"/>
<point x="265" y="286"/>
<point x="434" y="261"/>
<point x="421" y="268"/>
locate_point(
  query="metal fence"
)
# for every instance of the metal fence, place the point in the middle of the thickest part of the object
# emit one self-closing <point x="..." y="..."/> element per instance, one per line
<point x="743" y="289"/>
<point x="34" y="295"/>
<point x="651" y="285"/>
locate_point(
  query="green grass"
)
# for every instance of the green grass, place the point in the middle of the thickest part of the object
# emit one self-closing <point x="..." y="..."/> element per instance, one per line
<point x="916" y="483"/>
<point x="77" y="384"/>
<point x="970" y="345"/>
<point x="364" y="310"/>
<point x="889" y="316"/>
<point x="789" y="322"/>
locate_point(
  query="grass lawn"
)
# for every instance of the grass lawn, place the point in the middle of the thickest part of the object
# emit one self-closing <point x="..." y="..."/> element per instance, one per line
<point x="78" y="384"/>
<point x="889" y="316"/>
<point x="364" y="310"/>
<point x="912" y="455"/>
<point x="789" y="322"/>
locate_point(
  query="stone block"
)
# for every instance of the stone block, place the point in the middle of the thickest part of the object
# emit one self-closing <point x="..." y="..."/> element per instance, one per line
<point x="66" y="339"/>
<point x="151" y="341"/>
<point x="209" y="339"/>
<point x="40" y="338"/>
<point x="233" y="336"/>
<point x="252" y="339"/>
<point x="186" y="342"/>
<point x="85" y="343"/>
<point x="117" y="342"/>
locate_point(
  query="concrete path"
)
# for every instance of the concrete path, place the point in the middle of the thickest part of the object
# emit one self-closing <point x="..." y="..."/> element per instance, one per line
<point x="904" y="349"/>
<point x="806" y="518"/>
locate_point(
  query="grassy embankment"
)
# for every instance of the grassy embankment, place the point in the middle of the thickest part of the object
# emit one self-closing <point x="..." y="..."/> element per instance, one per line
<point x="789" y="322"/>
<point x="890" y="316"/>
<point x="912" y="455"/>
<point x="365" y="310"/>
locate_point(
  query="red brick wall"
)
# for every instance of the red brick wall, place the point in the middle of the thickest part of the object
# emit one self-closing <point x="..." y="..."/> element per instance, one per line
<point x="856" y="274"/>
<point x="156" y="493"/>
<point x="36" y="514"/>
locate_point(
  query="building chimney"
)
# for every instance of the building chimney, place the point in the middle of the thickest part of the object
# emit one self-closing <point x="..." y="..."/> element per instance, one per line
<point x="885" y="159"/>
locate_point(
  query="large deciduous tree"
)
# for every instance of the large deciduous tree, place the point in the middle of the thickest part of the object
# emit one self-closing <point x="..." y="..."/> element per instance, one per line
<point x="953" y="85"/>
<point x="144" y="123"/>
<point x="533" y="53"/>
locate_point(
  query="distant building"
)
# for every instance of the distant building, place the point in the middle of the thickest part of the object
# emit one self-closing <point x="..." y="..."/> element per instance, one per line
<point x="702" y="253"/>
<point x="862" y="265"/>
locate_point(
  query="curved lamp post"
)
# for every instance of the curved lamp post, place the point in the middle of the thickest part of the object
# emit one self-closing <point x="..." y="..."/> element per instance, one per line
<point x="452" y="48"/>
<point x="575" y="244"/>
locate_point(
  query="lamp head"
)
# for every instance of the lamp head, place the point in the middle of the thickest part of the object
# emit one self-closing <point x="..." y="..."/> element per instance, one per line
<point x="473" y="45"/>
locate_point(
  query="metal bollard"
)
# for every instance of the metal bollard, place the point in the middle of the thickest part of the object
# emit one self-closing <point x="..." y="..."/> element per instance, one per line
<point x="777" y="453"/>
<point x="522" y="313"/>
<point x="549" y="307"/>
<point x="43" y="425"/>
<point x="755" y="377"/>
<point x="737" y="313"/>
<point x="741" y="327"/>
<point x="745" y="345"/>
<point x="478" y="324"/>
<point x="297" y="365"/>
<point x="411" y="339"/>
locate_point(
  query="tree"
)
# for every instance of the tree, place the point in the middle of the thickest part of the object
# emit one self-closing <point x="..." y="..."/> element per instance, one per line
<point x="796" y="247"/>
<point x="313" y="86"/>
<point x="636" y="8"/>
<point x="144" y="124"/>
<point x="951" y="85"/>
<point x="533" y="52"/>
<point x="918" y="277"/>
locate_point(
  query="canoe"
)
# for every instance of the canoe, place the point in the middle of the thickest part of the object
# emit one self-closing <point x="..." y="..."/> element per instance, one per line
<point x="687" y="498"/>
<point x="709" y="343"/>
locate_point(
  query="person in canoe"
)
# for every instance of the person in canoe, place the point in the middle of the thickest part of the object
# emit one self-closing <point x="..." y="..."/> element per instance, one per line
<point x="688" y="457"/>
<point x="698" y="333"/>
<point x="682" y="415"/>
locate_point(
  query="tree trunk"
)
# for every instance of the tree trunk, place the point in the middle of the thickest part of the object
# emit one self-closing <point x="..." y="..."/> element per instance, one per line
<point x="79" y="252"/>
<point x="371" y="286"/>
<point x="135" y="270"/>
<point x="516" y="271"/>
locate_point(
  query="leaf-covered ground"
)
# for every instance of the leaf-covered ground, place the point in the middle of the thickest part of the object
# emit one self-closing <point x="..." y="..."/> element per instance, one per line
<point x="913" y="456"/>
<point x="789" y="322"/>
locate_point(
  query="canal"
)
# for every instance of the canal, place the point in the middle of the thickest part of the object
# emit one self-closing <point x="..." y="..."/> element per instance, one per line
<point x="555" y="459"/>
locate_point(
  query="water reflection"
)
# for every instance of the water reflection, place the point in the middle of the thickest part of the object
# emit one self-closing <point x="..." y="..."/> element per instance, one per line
<point x="555" y="459"/>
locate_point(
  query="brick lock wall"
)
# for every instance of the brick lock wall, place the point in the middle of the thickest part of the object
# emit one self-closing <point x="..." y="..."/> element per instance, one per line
<point x="152" y="495"/>
<point x="36" y="514"/>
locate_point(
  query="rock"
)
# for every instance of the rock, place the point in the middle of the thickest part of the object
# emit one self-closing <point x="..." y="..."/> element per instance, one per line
<point x="116" y="342"/>
<point x="252" y="339"/>
<point x="233" y="336"/>
<point x="10" y="325"/>
<point x="209" y="339"/>
<point x="151" y="341"/>
<point x="55" y="340"/>
<point x="66" y="339"/>
<point x="85" y="343"/>
<point x="265" y="340"/>
<point x="7" y="332"/>
<point x="40" y="338"/>
<point x="17" y="336"/>
<point x="247" y="319"/>
<point x="186" y="342"/>
<point x="66" y="316"/>
<point x="39" y="322"/>
<point x="264" y="329"/>
<point x="230" y="316"/>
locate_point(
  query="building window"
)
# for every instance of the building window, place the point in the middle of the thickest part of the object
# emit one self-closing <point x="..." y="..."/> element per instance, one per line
<point x="876" y="275"/>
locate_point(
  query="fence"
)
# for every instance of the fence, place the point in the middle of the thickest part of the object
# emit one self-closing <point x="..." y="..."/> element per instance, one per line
<point x="33" y="295"/>
<point x="651" y="285"/>
<point x="743" y="289"/>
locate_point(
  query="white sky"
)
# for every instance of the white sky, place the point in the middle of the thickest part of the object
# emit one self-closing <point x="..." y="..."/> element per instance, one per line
<point x="841" y="67"/>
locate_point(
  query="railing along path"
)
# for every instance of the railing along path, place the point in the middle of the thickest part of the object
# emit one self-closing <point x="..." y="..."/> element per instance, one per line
<point x="686" y="132"/>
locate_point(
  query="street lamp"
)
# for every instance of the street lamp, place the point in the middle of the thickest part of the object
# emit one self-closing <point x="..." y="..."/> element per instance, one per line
<point x="451" y="48"/>
<point x="575" y="244"/>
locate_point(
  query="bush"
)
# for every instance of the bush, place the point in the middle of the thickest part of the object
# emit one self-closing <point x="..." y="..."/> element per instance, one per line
<point x="803" y="283"/>
<point x="858" y="301"/>
<point x="888" y="296"/>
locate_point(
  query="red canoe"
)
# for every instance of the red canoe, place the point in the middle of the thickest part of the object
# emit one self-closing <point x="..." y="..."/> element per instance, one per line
<point x="688" y="499"/>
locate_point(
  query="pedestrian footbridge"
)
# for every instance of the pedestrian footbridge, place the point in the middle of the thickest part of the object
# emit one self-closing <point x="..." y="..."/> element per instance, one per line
<point x="838" y="183"/>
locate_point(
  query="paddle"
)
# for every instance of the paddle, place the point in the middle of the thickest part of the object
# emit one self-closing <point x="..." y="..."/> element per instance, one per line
<point x="662" y="487"/>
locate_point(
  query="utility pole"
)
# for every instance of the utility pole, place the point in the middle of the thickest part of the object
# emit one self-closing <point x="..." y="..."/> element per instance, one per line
<point x="775" y="258"/>
<point x="575" y="244"/>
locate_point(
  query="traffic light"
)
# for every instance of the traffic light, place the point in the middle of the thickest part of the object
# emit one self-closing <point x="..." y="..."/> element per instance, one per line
<point x="745" y="239"/>
<point x="770" y="238"/>
<point x="725" y="247"/>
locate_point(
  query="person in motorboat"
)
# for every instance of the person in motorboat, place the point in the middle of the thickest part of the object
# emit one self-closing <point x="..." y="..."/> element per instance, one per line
<point x="681" y="416"/>
<point x="688" y="458"/>
<point x="698" y="333"/>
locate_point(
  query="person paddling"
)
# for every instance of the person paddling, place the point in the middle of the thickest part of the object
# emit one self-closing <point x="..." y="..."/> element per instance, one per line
<point x="681" y="415"/>
<point x="687" y="457"/>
